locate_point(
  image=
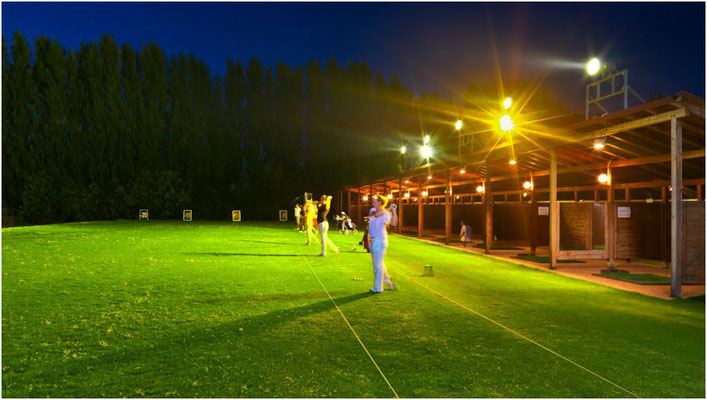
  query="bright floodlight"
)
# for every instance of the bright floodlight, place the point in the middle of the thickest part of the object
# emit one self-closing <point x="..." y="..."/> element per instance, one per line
<point x="512" y="162"/>
<point x="507" y="103"/>
<point x="458" y="125"/>
<point x="426" y="151"/>
<point x="480" y="189"/>
<point x="599" y="143"/>
<point x="506" y="123"/>
<point x="462" y="171"/>
<point x="407" y="195"/>
<point x="603" y="178"/>
<point x="593" y="66"/>
<point x="527" y="185"/>
<point x="424" y="193"/>
<point x="390" y="196"/>
<point x="429" y="177"/>
<point x="403" y="149"/>
<point x="427" y="139"/>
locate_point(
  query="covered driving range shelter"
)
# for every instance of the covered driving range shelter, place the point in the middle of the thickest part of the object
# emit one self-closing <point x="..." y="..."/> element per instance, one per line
<point x="553" y="195"/>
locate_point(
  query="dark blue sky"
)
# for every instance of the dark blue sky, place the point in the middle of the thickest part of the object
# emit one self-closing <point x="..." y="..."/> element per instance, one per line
<point x="433" y="47"/>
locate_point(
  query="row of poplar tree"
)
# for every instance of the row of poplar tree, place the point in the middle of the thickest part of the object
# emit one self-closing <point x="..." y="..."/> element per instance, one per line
<point x="104" y="130"/>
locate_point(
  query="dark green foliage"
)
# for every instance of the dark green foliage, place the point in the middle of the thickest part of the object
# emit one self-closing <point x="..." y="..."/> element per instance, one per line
<point x="89" y="134"/>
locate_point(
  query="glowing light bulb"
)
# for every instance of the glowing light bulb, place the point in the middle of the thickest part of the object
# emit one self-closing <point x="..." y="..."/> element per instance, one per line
<point x="480" y="189"/>
<point x="424" y="193"/>
<point x="426" y="151"/>
<point x="403" y="150"/>
<point x="506" y="123"/>
<point x="462" y="171"/>
<point x="527" y="185"/>
<point x="365" y="198"/>
<point x="507" y="103"/>
<point x="599" y="143"/>
<point x="390" y="196"/>
<point x="458" y="125"/>
<point x="407" y="195"/>
<point x="603" y="178"/>
<point x="593" y="66"/>
<point x="427" y="139"/>
<point x="512" y="162"/>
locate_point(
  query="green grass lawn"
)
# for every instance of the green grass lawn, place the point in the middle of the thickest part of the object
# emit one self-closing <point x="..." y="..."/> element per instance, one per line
<point x="175" y="309"/>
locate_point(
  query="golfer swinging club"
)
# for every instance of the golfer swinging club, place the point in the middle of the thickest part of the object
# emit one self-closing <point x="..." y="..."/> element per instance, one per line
<point x="377" y="222"/>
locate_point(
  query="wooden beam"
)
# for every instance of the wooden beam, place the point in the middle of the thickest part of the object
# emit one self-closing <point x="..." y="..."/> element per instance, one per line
<point x="420" y="211"/>
<point x="488" y="200"/>
<point x="400" y="206"/>
<point x="610" y="221"/>
<point x="676" y="222"/>
<point x="554" y="211"/>
<point x="664" y="235"/>
<point x="448" y="211"/>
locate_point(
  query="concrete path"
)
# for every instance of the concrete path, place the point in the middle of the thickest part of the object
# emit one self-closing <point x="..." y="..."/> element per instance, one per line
<point x="586" y="270"/>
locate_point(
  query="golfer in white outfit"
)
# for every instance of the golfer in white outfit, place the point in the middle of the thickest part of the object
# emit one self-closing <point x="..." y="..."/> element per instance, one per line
<point x="377" y="232"/>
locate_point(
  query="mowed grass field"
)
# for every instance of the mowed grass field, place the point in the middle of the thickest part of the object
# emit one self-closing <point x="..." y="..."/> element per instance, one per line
<point x="176" y="309"/>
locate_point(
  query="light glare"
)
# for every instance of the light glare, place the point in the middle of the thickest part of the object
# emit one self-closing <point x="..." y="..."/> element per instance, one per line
<point x="426" y="151"/>
<point x="527" y="185"/>
<point x="507" y="103"/>
<point x="506" y="123"/>
<point x="403" y="149"/>
<point x="603" y="178"/>
<point x="512" y="162"/>
<point x="593" y="66"/>
<point x="458" y="125"/>
<point x="480" y="189"/>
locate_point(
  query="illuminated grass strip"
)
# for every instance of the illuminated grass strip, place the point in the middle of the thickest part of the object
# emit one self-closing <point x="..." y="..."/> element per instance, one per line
<point x="348" y="324"/>
<point x="520" y="335"/>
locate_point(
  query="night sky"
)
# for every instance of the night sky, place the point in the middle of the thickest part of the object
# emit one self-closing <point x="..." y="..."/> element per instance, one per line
<point x="432" y="47"/>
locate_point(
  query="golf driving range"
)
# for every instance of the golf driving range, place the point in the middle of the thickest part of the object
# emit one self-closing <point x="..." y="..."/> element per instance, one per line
<point x="217" y="309"/>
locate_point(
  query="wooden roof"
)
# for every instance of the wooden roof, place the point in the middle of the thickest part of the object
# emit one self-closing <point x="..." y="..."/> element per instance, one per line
<point x="638" y="137"/>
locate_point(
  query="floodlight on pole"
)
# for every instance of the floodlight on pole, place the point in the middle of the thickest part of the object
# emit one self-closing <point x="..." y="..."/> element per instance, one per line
<point x="458" y="125"/>
<point x="507" y="103"/>
<point x="403" y="149"/>
<point x="426" y="151"/>
<point x="427" y="139"/>
<point x="593" y="66"/>
<point x="506" y="123"/>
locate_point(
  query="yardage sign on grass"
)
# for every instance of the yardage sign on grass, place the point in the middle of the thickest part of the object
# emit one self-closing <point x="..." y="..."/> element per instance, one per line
<point x="236" y="215"/>
<point x="144" y="214"/>
<point x="283" y="215"/>
<point x="186" y="215"/>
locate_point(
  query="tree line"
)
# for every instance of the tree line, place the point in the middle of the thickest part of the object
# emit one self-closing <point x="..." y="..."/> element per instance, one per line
<point x="104" y="130"/>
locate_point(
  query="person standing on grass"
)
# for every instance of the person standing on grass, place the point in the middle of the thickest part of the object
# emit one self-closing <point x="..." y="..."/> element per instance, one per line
<point x="465" y="234"/>
<point x="298" y="216"/>
<point x="378" y="234"/>
<point x="310" y="213"/>
<point x="322" y="212"/>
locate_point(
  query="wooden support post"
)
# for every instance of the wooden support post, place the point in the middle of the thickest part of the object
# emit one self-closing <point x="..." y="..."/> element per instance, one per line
<point x="554" y="211"/>
<point x="664" y="235"/>
<point x="676" y="217"/>
<point x="576" y="196"/>
<point x="488" y="198"/>
<point x="348" y="202"/>
<point x="596" y="195"/>
<point x="420" y="211"/>
<point x="533" y="218"/>
<point x="699" y="192"/>
<point x="400" y="205"/>
<point x="610" y="222"/>
<point x="627" y="196"/>
<point x="359" y="219"/>
<point x="448" y="211"/>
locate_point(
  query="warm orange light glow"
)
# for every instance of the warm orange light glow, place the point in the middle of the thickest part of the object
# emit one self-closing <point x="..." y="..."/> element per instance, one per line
<point x="480" y="189"/>
<point x="527" y="185"/>
<point x="512" y="162"/>
<point x="403" y="149"/>
<point x="365" y="197"/>
<point x="603" y="178"/>
<point x="407" y="195"/>
<point x="424" y="193"/>
<point x="390" y="196"/>
<point x="462" y="171"/>
<point x="458" y="125"/>
<point x="429" y="177"/>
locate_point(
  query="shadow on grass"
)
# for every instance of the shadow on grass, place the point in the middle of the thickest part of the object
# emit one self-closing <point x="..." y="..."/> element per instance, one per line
<point x="178" y="343"/>
<point x="251" y="254"/>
